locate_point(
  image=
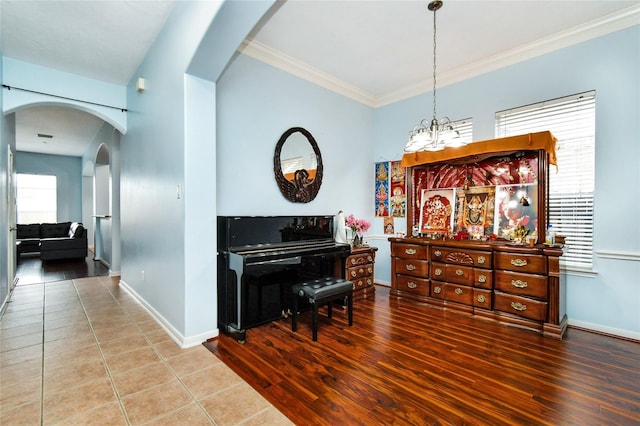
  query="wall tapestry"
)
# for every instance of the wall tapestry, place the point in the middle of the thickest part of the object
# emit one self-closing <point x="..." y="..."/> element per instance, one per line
<point x="398" y="188"/>
<point x="382" y="189"/>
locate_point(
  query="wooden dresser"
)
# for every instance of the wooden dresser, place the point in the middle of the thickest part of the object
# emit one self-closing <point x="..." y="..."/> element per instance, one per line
<point x="359" y="268"/>
<point x="498" y="281"/>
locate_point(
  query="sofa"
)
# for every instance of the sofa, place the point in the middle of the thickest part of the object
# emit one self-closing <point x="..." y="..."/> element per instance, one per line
<point x="65" y="240"/>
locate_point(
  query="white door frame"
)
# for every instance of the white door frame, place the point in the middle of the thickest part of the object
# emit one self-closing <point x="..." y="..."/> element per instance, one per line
<point x="11" y="213"/>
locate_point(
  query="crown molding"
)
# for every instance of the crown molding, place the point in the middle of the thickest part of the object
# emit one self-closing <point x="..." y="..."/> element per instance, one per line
<point x="607" y="24"/>
<point x="286" y="63"/>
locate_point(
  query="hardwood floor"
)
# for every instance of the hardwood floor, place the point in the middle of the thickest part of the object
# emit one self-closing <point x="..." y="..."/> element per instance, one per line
<point x="403" y="364"/>
<point x="31" y="269"/>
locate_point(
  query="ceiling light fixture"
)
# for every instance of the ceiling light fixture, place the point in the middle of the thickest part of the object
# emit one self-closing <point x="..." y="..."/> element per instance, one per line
<point x="434" y="134"/>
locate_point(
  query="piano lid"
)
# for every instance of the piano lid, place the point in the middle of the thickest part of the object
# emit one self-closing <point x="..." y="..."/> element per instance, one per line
<point x="245" y="232"/>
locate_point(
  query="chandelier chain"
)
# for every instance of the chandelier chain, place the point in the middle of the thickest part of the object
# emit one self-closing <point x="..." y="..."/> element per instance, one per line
<point x="434" y="64"/>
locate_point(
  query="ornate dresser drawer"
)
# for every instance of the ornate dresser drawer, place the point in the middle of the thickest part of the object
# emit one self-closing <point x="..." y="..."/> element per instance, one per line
<point x="356" y="272"/>
<point x="458" y="293"/>
<point x="452" y="273"/>
<point x="413" y="285"/>
<point x="359" y="269"/>
<point x="522" y="284"/>
<point x="482" y="278"/>
<point x="414" y="267"/>
<point x="521" y="306"/>
<point x="461" y="256"/>
<point x="361" y="259"/>
<point x="482" y="298"/>
<point x="518" y="262"/>
<point x="409" y="251"/>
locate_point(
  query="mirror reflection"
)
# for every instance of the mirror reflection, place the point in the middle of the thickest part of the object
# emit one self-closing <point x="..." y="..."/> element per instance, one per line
<point x="297" y="165"/>
<point x="297" y="154"/>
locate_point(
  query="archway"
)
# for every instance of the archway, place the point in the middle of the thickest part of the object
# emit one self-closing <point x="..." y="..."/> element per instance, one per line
<point x="102" y="206"/>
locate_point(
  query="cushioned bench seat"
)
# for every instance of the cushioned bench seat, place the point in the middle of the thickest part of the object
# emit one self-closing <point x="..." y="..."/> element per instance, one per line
<point x="321" y="292"/>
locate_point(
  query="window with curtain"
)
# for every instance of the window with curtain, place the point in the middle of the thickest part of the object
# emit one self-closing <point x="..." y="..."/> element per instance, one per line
<point x="36" y="198"/>
<point x="571" y="120"/>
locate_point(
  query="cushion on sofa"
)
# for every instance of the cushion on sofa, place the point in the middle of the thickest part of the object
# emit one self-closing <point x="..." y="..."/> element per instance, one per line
<point x="54" y="230"/>
<point x="76" y="230"/>
<point x="25" y="232"/>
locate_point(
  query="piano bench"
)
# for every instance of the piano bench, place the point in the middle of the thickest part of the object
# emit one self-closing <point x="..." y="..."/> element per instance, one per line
<point x="322" y="292"/>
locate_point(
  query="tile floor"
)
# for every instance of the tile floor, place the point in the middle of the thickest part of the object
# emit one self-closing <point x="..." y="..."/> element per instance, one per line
<point x="83" y="351"/>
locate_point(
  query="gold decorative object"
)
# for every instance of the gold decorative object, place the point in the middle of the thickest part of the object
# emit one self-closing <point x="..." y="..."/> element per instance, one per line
<point x="481" y="298"/>
<point x="518" y="306"/>
<point x="437" y="290"/>
<point x="481" y="260"/>
<point x="519" y="283"/>
<point x="519" y="262"/>
<point x="410" y="267"/>
<point x="411" y="284"/>
<point x="459" y="272"/>
<point x="458" y="291"/>
<point x="482" y="278"/>
<point x="438" y="272"/>
<point x="410" y="251"/>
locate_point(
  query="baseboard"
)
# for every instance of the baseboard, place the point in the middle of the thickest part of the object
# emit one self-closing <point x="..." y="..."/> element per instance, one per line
<point x="607" y="331"/>
<point x="182" y="341"/>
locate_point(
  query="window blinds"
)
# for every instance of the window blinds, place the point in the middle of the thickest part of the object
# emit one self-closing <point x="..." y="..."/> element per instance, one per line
<point x="571" y="120"/>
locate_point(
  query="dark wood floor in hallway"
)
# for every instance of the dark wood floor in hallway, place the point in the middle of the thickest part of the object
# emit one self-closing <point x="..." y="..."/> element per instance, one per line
<point x="31" y="269"/>
<point x="404" y="364"/>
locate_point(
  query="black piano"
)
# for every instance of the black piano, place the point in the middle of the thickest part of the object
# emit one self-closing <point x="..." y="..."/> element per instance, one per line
<point x="261" y="257"/>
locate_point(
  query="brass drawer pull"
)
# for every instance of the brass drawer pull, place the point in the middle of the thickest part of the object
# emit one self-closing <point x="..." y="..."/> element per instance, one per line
<point x="459" y="272"/>
<point x="437" y="253"/>
<point x="437" y="290"/>
<point x="438" y="272"/>
<point x="370" y="269"/>
<point x="354" y="274"/>
<point x="369" y="258"/>
<point x="410" y="251"/>
<point x="481" y="260"/>
<point x="482" y="278"/>
<point x="410" y="267"/>
<point x="411" y="284"/>
<point x="518" y="262"/>
<point x="481" y="298"/>
<point x="518" y="306"/>
<point x="519" y="283"/>
<point x="458" y="291"/>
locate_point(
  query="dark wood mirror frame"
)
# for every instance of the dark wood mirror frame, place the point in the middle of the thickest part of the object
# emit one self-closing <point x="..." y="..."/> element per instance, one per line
<point x="301" y="189"/>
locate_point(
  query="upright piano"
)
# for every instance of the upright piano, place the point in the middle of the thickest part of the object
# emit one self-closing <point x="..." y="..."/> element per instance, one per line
<point x="261" y="257"/>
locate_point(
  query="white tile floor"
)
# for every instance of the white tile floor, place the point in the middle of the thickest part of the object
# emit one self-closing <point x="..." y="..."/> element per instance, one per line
<point x="83" y="351"/>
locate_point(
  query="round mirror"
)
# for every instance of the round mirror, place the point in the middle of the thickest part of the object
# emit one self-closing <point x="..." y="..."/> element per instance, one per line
<point x="297" y="165"/>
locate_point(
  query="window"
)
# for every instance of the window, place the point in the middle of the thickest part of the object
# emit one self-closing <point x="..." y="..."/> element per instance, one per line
<point x="36" y="199"/>
<point x="571" y="119"/>
<point x="465" y="129"/>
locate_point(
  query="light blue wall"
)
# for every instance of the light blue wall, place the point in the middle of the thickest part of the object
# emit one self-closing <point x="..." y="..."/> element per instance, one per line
<point x="68" y="173"/>
<point x="256" y="105"/>
<point x="160" y="199"/>
<point x="609" y="300"/>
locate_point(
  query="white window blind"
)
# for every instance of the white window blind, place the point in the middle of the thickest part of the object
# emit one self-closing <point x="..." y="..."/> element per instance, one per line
<point x="571" y="120"/>
<point x="465" y="129"/>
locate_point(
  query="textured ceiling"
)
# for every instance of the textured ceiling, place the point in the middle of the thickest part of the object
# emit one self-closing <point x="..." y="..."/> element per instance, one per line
<point x="373" y="51"/>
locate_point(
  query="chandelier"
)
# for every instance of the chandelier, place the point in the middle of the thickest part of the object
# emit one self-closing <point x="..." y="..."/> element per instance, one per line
<point x="434" y="134"/>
